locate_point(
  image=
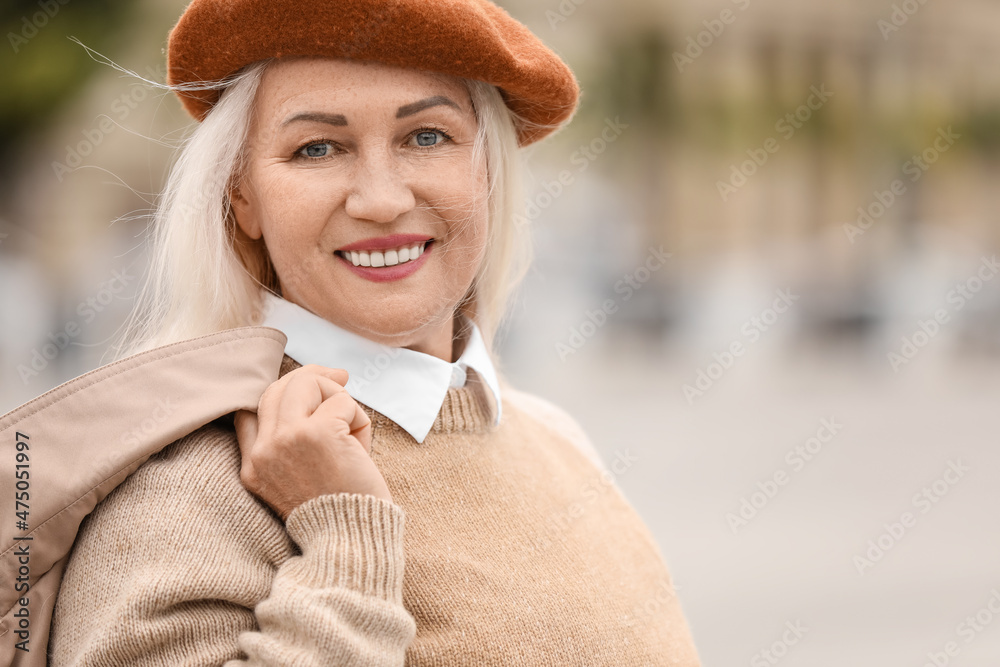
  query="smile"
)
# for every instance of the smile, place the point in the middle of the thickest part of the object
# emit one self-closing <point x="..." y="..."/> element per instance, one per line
<point x="380" y="258"/>
<point x="389" y="264"/>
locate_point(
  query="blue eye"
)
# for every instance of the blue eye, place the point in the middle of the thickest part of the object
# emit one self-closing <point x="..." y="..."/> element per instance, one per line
<point x="428" y="137"/>
<point x="316" y="150"/>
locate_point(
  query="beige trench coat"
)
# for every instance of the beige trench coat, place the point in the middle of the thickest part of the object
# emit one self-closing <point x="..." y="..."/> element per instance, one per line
<point x="66" y="450"/>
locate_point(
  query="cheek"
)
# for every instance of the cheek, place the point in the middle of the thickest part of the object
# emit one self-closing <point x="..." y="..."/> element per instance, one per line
<point x="467" y="210"/>
<point x="292" y="221"/>
<point x="477" y="226"/>
<point x="468" y="241"/>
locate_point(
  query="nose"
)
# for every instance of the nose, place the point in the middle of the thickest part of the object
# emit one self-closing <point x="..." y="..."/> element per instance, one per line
<point x="379" y="192"/>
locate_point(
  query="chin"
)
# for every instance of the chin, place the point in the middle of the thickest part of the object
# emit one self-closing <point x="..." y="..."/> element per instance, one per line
<point x="399" y="330"/>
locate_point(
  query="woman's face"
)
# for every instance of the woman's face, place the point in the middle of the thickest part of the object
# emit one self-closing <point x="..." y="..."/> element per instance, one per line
<point x="345" y="155"/>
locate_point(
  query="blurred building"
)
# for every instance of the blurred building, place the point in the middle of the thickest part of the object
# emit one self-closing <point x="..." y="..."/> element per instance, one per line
<point x="824" y="178"/>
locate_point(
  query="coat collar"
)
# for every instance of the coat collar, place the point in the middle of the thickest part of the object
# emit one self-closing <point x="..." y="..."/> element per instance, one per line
<point x="406" y="386"/>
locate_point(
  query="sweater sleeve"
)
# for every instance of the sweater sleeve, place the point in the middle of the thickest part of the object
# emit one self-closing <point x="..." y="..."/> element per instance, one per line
<point x="180" y="564"/>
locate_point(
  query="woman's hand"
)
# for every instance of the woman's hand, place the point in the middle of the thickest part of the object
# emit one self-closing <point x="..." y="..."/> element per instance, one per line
<point x="307" y="439"/>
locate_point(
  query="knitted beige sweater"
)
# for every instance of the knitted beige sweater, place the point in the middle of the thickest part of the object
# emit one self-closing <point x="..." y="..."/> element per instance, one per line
<point x="518" y="551"/>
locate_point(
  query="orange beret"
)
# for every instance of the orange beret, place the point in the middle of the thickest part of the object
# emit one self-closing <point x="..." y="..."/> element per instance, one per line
<point x="469" y="38"/>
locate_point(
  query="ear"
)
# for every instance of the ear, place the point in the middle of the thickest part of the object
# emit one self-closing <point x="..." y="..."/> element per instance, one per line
<point x="245" y="213"/>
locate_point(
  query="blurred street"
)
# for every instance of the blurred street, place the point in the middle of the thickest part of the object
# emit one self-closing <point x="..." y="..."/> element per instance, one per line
<point x="766" y="272"/>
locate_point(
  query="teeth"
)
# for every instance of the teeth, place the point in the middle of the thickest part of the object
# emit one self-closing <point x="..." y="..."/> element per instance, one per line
<point x="392" y="257"/>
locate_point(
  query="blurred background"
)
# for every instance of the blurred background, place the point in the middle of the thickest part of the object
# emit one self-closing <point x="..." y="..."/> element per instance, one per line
<point x="765" y="275"/>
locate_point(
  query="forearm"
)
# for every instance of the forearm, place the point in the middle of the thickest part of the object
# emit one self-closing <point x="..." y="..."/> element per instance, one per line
<point x="181" y="565"/>
<point x="340" y="602"/>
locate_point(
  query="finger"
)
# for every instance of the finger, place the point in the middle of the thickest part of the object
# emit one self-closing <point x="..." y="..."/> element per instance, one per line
<point x="338" y="407"/>
<point x="344" y="409"/>
<point x="362" y="432"/>
<point x="304" y="394"/>
<point x="246" y="430"/>
<point x="361" y="427"/>
<point x="330" y="387"/>
<point x="338" y="375"/>
<point x="360" y="420"/>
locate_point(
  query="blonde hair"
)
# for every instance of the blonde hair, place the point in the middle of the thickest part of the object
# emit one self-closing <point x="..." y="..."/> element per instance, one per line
<point x="205" y="275"/>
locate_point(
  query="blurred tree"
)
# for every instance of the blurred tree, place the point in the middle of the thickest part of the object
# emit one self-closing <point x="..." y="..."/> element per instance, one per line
<point x="636" y="82"/>
<point x="981" y="128"/>
<point x="41" y="67"/>
<point x="635" y="85"/>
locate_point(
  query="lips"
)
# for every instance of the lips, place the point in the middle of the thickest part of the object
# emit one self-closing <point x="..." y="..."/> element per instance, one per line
<point x="389" y="257"/>
<point x="390" y="265"/>
<point x="383" y="243"/>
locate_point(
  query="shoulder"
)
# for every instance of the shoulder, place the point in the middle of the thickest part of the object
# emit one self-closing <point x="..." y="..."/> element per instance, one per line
<point x="188" y="493"/>
<point x="178" y="548"/>
<point x="200" y="467"/>
<point x="551" y="416"/>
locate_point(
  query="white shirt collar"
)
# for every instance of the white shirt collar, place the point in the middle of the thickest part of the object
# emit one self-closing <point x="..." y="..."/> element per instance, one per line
<point x="406" y="386"/>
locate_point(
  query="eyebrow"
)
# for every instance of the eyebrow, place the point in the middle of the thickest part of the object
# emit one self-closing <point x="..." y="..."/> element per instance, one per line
<point x="340" y="120"/>
<point x="337" y="119"/>
<point x="410" y="109"/>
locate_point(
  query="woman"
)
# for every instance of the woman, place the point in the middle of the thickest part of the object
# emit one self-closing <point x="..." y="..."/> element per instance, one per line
<point x="393" y="501"/>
